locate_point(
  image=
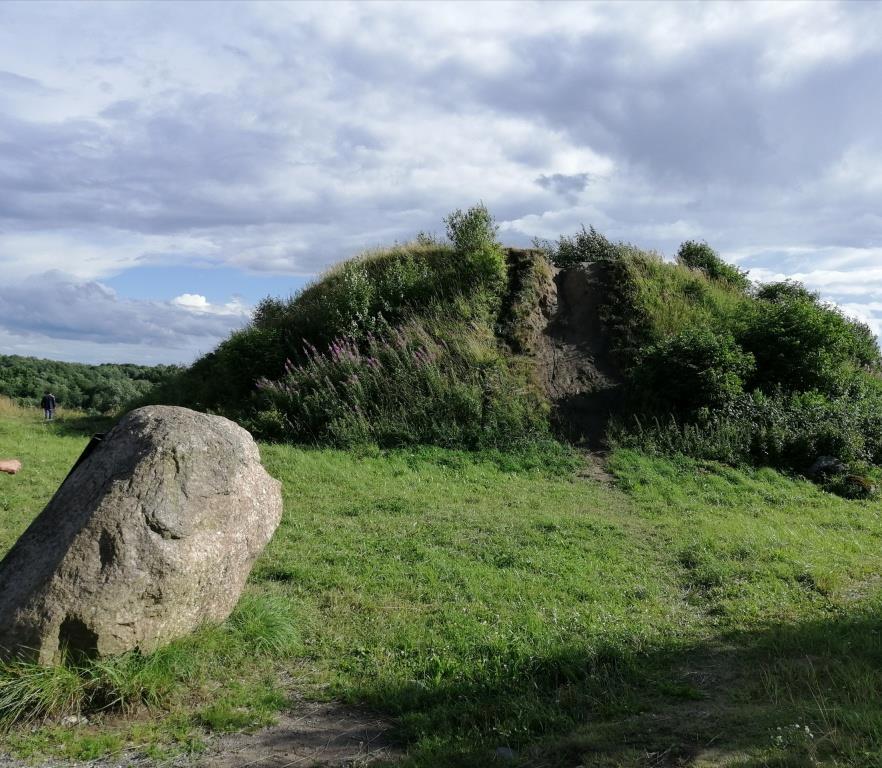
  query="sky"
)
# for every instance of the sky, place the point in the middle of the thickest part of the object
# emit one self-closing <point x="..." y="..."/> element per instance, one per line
<point x="164" y="166"/>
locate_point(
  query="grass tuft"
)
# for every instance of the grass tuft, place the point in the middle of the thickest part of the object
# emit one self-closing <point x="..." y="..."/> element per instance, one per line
<point x="30" y="692"/>
<point x="266" y="624"/>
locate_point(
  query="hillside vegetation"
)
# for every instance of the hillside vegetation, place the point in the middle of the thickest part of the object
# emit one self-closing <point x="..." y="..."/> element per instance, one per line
<point x="718" y="368"/>
<point x="92" y="388"/>
<point x="396" y="347"/>
<point x="434" y="343"/>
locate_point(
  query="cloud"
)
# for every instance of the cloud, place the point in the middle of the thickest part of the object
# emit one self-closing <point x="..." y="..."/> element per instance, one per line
<point x="566" y="185"/>
<point x="54" y="308"/>
<point x="280" y="138"/>
<point x="195" y="302"/>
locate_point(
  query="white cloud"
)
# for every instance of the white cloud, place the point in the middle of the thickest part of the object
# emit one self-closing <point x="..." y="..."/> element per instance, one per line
<point x="192" y="301"/>
<point x="195" y="302"/>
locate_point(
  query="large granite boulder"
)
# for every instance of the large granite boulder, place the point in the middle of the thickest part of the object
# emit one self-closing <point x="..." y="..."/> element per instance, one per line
<point x="152" y="534"/>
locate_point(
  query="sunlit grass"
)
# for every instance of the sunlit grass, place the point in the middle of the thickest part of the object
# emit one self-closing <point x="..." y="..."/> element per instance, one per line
<point x="498" y="599"/>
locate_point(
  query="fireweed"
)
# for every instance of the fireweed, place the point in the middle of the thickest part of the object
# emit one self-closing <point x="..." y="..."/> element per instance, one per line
<point x="402" y="387"/>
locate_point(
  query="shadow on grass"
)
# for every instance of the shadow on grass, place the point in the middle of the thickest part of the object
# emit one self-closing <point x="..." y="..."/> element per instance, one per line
<point x="784" y="697"/>
<point x="81" y="426"/>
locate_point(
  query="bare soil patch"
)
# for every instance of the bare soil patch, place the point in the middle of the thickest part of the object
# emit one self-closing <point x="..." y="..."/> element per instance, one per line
<point x="315" y="735"/>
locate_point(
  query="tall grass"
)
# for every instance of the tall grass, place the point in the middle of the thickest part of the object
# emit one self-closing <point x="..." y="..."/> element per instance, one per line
<point x="260" y="626"/>
<point x="447" y="386"/>
<point x="9" y="408"/>
<point x="784" y="431"/>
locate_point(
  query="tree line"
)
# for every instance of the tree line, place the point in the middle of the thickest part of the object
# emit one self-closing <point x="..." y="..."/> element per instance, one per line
<point x="93" y="388"/>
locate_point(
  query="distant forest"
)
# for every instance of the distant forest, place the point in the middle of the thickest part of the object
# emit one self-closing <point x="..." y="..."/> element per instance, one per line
<point x="91" y="388"/>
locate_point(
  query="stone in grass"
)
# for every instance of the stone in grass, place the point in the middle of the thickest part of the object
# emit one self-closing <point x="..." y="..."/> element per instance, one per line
<point x="151" y="535"/>
<point x="826" y="466"/>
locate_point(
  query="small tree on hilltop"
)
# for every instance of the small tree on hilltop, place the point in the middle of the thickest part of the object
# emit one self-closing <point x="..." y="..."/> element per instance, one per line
<point x="586" y="246"/>
<point x="473" y="235"/>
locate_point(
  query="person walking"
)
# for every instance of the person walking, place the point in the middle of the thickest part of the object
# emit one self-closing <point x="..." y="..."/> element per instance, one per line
<point x="48" y="404"/>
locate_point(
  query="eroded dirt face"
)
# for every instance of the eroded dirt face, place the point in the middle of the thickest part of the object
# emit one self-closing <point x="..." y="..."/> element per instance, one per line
<point x="573" y="360"/>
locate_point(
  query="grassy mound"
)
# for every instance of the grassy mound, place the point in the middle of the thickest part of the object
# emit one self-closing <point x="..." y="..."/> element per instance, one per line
<point x="395" y="347"/>
<point x="436" y="343"/>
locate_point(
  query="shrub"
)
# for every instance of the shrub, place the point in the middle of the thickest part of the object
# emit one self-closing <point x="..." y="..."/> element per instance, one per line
<point x="473" y="235"/>
<point x="700" y="256"/>
<point x="786" y="290"/>
<point x="586" y="246"/>
<point x="856" y="339"/>
<point x="783" y="431"/>
<point x="802" y="345"/>
<point x="695" y="369"/>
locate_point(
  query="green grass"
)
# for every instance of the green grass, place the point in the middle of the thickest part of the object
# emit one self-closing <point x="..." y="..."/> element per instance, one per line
<point x="649" y="300"/>
<point x="497" y="599"/>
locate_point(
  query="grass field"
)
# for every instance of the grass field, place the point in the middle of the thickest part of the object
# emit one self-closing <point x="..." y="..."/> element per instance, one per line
<point x="688" y="614"/>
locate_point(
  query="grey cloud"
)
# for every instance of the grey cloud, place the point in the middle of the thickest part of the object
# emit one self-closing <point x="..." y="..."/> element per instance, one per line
<point x="353" y="136"/>
<point x="18" y="82"/>
<point x="121" y="110"/>
<point x="53" y="306"/>
<point x="566" y="185"/>
<point x="707" y="118"/>
<point x="736" y="160"/>
<point x="147" y="172"/>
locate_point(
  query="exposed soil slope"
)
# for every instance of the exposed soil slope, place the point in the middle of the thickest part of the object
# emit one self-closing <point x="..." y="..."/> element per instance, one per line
<point x="572" y="355"/>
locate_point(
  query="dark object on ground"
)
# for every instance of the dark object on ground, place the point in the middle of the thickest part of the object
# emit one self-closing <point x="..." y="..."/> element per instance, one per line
<point x="826" y="466"/>
<point x="153" y="534"/>
<point x="852" y="487"/>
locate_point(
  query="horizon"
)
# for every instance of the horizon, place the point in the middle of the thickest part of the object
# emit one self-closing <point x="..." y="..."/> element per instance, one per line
<point x="163" y="167"/>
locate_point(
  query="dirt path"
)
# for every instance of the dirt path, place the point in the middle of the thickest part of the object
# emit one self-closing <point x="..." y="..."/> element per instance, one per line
<point x="316" y="735"/>
<point x="313" y="735"/>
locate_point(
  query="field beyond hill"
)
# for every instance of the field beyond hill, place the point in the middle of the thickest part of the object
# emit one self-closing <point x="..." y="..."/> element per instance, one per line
<point x="502" y="607"/>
